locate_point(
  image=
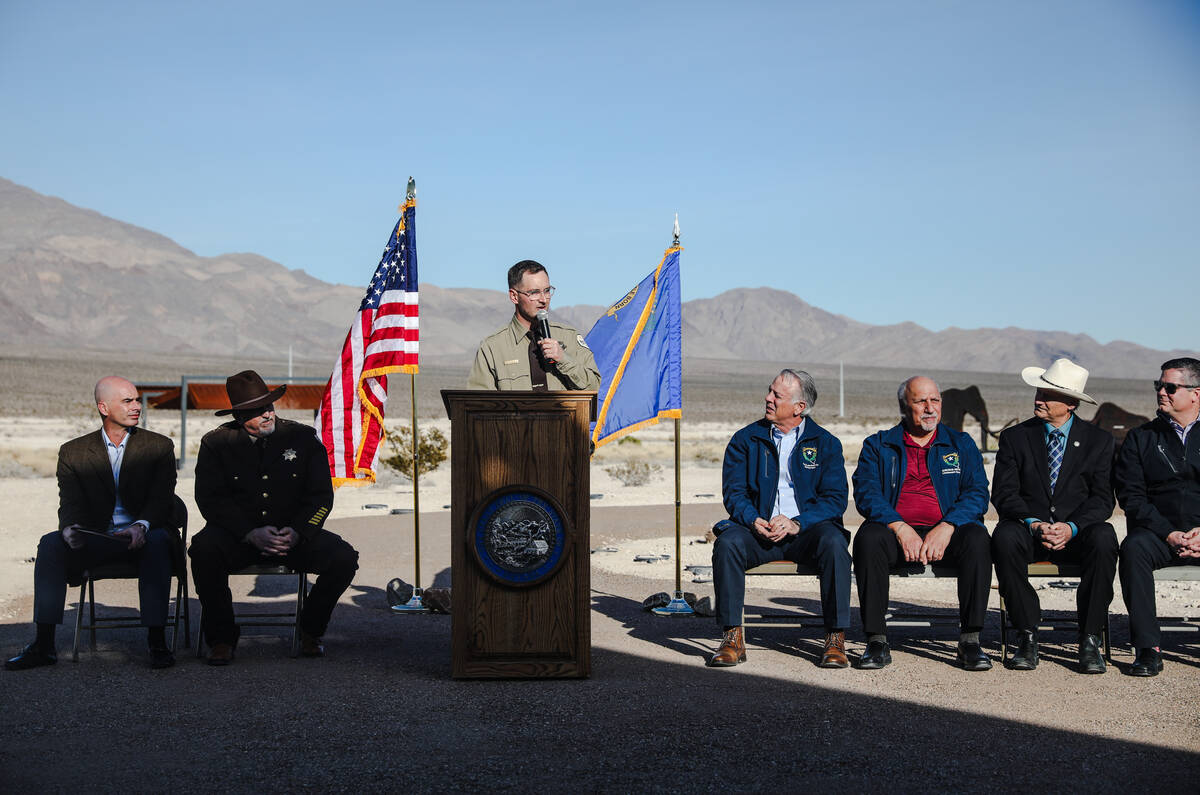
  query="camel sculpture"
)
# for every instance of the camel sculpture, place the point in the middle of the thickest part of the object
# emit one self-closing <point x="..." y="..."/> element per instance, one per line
<point x="957" y="403"/>
<point x="1116" y="420"/>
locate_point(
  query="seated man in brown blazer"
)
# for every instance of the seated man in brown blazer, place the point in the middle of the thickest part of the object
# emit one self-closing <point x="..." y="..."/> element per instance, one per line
<point x="116" y="490"/>
<point x="1052" y="489"/>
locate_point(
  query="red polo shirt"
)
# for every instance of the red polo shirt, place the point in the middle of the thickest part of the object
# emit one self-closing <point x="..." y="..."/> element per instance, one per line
<point x="918" y="502"/>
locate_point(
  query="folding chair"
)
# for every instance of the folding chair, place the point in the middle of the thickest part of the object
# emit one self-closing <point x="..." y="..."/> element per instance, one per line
<point x="129" y="571"/>
<point x="261" y="619"/>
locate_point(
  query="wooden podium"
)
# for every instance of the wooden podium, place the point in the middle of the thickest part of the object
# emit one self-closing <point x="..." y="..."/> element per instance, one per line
<point x="520" y="562"/>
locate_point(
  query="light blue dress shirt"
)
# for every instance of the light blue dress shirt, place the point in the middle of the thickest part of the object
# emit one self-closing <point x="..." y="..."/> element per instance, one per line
<point x="1048" y="429"/>
<point x="116" y="453"/>
<point x="785" y="493"/>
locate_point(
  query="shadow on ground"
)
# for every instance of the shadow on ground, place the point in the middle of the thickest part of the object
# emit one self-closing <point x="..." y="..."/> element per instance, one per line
<point x="381" y="712"/>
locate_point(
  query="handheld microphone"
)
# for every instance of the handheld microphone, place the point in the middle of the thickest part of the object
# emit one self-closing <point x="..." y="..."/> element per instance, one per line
<point x="541" y="330"/>
<point x="541" y="327"/>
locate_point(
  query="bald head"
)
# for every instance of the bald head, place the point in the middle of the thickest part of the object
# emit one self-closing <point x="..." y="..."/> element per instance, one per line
<point x="920" y="405"/>
<point x="118" y="403"/>
<point x="110" y="385"/>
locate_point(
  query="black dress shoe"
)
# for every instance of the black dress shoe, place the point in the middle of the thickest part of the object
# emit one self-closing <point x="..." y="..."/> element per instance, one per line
<point x="1026" y="656"/>
<point x="161" y="657"/>
<point x="311" y="645"/>
<point x="1148" y="663"/>
<point x="1090" y="659"/>
<point x="972" y="657"/>
<point x="32" y="656"/>
<point x="876" y="655"/>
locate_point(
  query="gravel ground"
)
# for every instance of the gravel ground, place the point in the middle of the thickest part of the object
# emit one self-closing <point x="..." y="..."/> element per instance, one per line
<point x="382" y="713"/>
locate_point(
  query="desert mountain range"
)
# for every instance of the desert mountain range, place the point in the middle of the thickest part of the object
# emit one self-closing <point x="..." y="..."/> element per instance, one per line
<point x="63" y="263"/>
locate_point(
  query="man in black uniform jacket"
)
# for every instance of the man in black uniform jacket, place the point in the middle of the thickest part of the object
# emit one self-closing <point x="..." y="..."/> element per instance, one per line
<point x="1052" y="488"/>
<point x="264" y="489"/>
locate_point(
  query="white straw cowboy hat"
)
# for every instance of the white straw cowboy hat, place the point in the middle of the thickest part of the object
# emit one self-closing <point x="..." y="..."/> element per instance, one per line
<point x="1064" y="377"/>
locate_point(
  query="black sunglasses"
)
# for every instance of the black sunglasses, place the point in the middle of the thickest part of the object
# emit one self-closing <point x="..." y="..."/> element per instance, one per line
<point x="1167" y="385"/>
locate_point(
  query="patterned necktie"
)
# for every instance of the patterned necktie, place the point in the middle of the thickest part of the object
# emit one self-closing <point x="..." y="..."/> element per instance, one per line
<point x="1054" y="455"/>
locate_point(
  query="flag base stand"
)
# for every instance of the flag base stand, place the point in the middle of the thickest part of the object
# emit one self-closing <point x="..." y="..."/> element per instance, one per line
<point x="414" y="605"/>
<point x="676" y="607"/>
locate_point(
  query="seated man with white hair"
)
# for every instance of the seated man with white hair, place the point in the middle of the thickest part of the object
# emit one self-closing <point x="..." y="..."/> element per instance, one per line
<point x="784" y="485"/>
<point x="1052" y="488"/>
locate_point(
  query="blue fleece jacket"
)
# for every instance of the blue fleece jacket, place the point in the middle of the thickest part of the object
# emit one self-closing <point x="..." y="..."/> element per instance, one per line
<point x="750" y="475"/>
<point x="955" y="468"/>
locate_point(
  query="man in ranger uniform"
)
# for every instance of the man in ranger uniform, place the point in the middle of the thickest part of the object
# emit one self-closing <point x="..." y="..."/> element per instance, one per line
<point x="518" y="357"/>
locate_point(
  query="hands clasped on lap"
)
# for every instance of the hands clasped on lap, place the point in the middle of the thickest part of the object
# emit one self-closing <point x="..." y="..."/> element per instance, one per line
<point x="271" y="540"/>
<point x="929" y="549"/>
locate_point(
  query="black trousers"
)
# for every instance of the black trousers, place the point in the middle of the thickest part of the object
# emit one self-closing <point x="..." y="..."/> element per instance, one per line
<point x="215" y="554"/>
<point x="1141" y="553"/>
<point x="57" y="564"/>
<point x="877" y="550"/>
<point x="1094" y="549"/>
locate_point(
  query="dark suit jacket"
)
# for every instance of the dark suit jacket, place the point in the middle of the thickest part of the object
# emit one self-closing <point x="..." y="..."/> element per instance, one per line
<point x="85" y="483"/>
<point x="1021" y="480"/>
<point x="286" y="483"/>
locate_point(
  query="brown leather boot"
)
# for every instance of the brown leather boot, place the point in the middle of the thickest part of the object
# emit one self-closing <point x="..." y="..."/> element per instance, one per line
<point x="835" y="651"/>
<point x="731" y="651"/>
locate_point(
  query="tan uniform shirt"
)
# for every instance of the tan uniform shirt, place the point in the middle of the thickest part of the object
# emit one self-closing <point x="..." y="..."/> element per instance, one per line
<point x="503" y="361"/>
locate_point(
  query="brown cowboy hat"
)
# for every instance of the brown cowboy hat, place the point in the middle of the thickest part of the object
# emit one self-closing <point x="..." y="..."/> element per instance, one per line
<point x="247" y="391"/>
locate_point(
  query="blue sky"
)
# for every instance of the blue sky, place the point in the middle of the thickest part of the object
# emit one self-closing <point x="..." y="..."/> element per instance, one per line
<point x="1034" y="164"/>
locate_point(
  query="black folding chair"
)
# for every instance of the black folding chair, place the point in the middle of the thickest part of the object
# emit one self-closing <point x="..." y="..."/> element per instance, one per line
<point x="178" y="613"/>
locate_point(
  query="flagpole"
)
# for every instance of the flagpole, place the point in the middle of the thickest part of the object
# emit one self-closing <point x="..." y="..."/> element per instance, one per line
<point x="678" y="606"/>
<point x="415" y="604"/>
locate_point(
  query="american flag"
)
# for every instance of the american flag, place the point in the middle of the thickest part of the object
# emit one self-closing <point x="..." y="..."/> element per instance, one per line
<point x="382" y="340"/>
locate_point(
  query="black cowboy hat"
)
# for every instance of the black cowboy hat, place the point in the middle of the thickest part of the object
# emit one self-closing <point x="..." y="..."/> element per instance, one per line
<point x="247" y="391"/>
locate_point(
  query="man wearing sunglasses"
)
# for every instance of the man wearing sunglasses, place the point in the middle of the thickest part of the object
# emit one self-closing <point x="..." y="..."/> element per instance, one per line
<point x="1158" y="486"/>
<point x="528" y="354"/>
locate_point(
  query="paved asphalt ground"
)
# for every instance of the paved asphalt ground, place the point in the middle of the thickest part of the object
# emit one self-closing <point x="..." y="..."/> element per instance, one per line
<point x="382" y="713"/>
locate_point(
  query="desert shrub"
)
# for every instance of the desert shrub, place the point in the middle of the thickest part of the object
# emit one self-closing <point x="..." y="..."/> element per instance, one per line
<point x="629" y="440"/>
<point x="431" y="451"/>
<point x="633" y="473"/>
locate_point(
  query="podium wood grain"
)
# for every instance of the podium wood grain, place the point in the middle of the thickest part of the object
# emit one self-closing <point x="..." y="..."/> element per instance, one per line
<point x="537" y="439"/>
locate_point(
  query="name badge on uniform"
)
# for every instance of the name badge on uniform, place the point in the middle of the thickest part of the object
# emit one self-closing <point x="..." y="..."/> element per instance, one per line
<point x="951" y="464"/>
<point x="512" y="361"/>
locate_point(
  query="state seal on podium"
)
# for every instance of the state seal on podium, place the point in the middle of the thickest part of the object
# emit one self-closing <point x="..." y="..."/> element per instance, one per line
<point x="518" y="535"/>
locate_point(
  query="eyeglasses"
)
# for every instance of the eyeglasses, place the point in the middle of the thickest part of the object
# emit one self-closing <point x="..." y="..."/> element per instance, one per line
<point x="1170" y="388"/>
<point x="549" y="291"/>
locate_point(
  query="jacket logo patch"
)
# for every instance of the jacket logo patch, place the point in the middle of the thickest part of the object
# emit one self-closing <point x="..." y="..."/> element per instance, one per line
<point x="289" y="454"/>
<point x="580" y="340"/>
<point x="951" y="462"/>
<point x="809" y="454"/>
